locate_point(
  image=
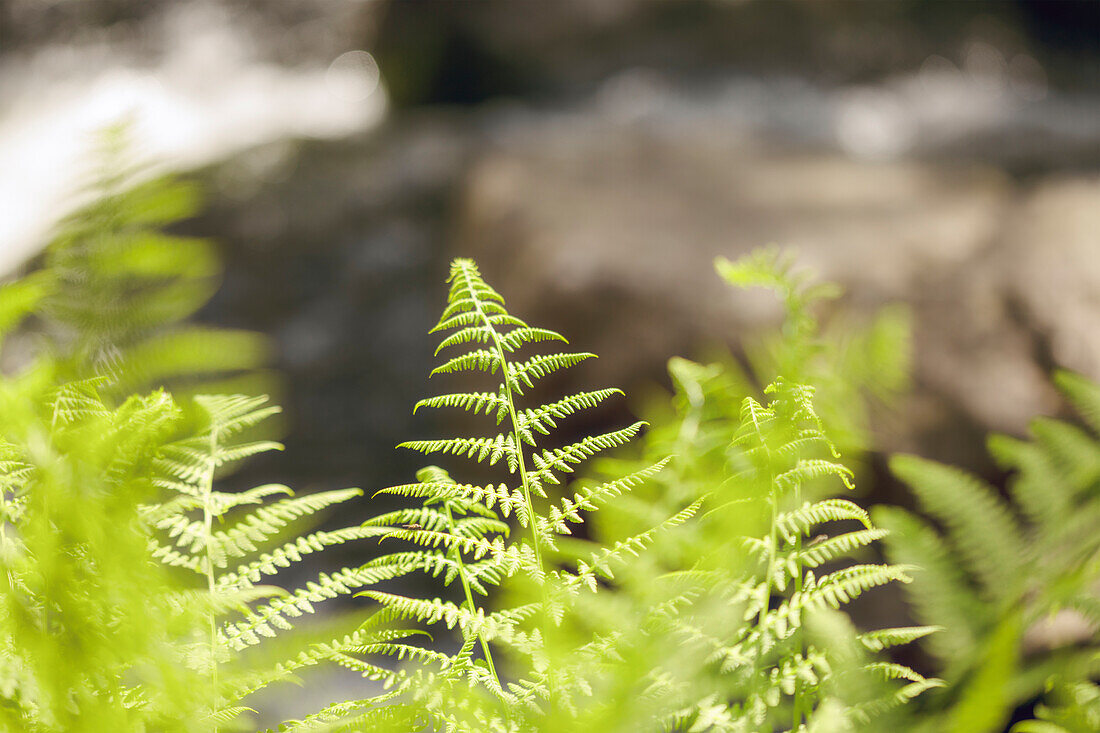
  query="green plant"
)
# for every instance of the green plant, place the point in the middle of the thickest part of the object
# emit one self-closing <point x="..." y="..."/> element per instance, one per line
<point x="533" y="655"/>
<point x="116" y="286"/>
<point x="498" y="677"/>
<point x="233" y="542"/>
<point x="1004" y="576"/>
<point x="89" y="627"/>
<point x="852" y="367"/>
<point x="729" y="642"/>
<point x="96" y="487"/>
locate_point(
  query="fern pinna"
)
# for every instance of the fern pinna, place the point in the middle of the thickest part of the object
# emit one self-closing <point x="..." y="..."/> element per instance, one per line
<point x="232" y="542"/>
<point x="460" y="531"/>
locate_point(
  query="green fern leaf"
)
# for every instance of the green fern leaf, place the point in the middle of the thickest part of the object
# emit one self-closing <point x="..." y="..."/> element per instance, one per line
<point x="981" y="526"/>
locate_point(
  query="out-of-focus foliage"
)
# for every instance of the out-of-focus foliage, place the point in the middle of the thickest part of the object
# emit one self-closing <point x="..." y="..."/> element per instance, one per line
<point x="116" y="286"/>
<point x="735" y="576"/>
<point x="1013" y="583"/>
<point x="1073" y="706"/>
<point x="99" y="636"/>
<point x="92" y="632"/>
<point x="851" y="366"/>
<point x="96" y="487"/>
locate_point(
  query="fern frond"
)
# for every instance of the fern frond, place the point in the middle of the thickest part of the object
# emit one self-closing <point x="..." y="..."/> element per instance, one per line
<point x="79" y="401"/>
<point x="1083" y="393"/>
<point x="230" y="414"/>
<point x="424" y="517"/>
<point x="981" y="526"/>
<point x="939" y="592"/>
<point x="811" y="468"/>
<point x="888" y="638"/>
<point x="509" y="500"/>
<point x="765" y="267"/>
<point x="837" y="547"/>
<point x="527" y="372"/>
<point x="1042" y="500"/>
<point x="599" y="564"/>
<point x="256" y="528"/>
<point x="476" y="547"/>
<point x="591" y="499"/>
<point x="479" y="526"/>
<point x="840" y="587"/>
<point x="1074" y="452"/>
<point x="500" y="625"/>
<point x="265" y="619"/>
<point x="292" y="552"/>
<point x="894" y="671"/>
<point x="480" y="360"/>
<point x="517" y="337"/>
<point x="457" y="535"/>
<point x="542" y="418"/>
<point x="493" y="449"/>
<point x="474" y="402"/>
<point x="754" y="420"/>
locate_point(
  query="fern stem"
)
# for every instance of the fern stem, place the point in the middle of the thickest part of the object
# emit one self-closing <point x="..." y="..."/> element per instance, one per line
<point x="516" y="437"/>
<point x="772" y="552"/>
<point x="208" y="531"/>
<point x="799" y="697"/>
<point x="457" y="557"/>
<point x="531" y="516"/>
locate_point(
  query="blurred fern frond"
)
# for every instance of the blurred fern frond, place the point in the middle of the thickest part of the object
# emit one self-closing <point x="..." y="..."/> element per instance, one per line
<point x="720" y="613"/>
<point x="1004" y="575"/>
<point x="92" y="632"/>
<point x="117" y="286"/>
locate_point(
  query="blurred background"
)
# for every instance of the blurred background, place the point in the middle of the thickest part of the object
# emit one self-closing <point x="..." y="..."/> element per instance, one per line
<point x="594" y="156"/>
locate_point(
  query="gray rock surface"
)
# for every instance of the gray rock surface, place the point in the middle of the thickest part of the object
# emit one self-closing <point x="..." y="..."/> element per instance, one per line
<point x="1051" y="264"/>
<point x="608" y="231"/>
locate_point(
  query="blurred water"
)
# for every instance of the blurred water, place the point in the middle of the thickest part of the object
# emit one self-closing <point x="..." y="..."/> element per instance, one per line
<point x="200" y="84"/>
<point x="206" y="94"/>
<point x="998" y="110"/>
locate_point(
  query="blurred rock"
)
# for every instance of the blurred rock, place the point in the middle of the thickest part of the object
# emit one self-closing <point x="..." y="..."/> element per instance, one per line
<point x="607" y="232"/>
<point x="1051" y="264"/>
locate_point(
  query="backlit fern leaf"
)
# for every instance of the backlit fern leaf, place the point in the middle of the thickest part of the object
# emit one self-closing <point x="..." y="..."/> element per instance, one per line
<point x="562" y="460"/>
<point x="480" y="449"/>
<point x="473" y="402"/>
<point x="803" y="519"/>
<point x="235" y="540"/>
<point x="457" y="533"/>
